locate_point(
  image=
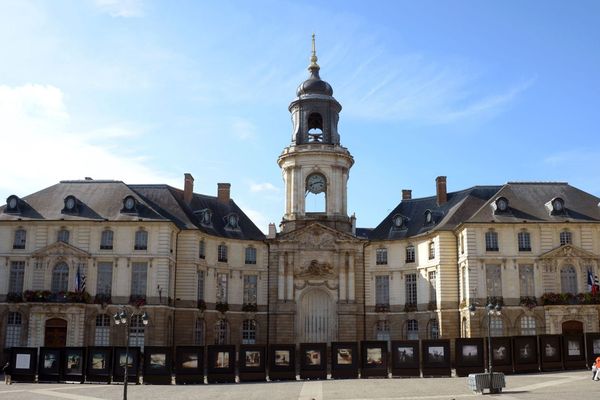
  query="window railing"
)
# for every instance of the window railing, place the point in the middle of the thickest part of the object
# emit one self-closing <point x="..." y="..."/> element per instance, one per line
<point x="102" y="298"/>
<point x="137" y="300"/>
<point x="552" y="299"/>
<point x="46" y="296"/>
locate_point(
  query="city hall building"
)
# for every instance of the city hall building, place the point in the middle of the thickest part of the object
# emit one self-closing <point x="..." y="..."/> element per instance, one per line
<point x="72" y="254"/>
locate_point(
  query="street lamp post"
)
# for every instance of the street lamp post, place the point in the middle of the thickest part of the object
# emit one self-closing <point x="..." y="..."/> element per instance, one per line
<point x="492" y="310"/>
<point x="124" y="319"/>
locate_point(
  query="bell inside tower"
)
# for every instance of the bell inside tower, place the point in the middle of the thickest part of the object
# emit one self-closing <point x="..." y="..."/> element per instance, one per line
<point x="315" y="128"/>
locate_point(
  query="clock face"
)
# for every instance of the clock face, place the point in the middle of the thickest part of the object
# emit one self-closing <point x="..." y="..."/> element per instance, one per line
<point x="315" y="183"/>
<point x="129" y="203"/>
<point x="70" y="203"/>
<point x="12" y="202"/>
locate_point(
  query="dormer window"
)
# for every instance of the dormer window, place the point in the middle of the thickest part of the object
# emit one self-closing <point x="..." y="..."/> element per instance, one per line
<point x="129" y="205"/>
<point x="71" y="205"/>
<point x="399" y="221"/>
<point x="500" y="205"/>
<point x="12" y="204"/>
<point x="232" y="221"/>
<point x="556" y="206"/>
<point x="428" y="217"/>
<point x="205" y="217"/>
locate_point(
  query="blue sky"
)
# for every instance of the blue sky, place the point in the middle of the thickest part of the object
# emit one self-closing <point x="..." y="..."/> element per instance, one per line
<point x="143" y="91"/>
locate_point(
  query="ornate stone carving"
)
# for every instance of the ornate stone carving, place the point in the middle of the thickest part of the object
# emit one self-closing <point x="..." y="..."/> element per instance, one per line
<point x="315" y="269"/>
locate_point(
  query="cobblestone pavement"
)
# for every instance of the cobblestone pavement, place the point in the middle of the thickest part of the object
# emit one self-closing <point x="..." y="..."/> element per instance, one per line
<point x="559" y="385"/>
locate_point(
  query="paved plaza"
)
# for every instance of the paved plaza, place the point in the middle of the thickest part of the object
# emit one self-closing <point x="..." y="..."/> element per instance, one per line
<point x="559" y="385"/>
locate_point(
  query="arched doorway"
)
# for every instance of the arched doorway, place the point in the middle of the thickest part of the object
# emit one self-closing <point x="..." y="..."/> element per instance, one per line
<point x="55" y="334"/>
<point x="317" y="317"/>
<point x="572" y="327"/>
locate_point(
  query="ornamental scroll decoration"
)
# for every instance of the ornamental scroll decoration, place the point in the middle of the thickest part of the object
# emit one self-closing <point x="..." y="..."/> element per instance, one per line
<point x="315" y="269"/>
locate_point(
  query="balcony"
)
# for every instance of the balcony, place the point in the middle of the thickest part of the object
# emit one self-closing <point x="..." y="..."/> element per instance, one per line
<point x="46" y="296"/>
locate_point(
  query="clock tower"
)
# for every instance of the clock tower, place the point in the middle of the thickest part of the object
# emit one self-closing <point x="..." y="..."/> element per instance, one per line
<point x="315" y="166"/>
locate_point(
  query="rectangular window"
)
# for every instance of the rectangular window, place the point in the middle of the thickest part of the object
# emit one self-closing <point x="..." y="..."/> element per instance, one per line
<point x="106" y="240"/>
<point x="411" y="289"/>
<point x="202" y="250"/>
<point x="102" y="334"/>
<point x="20" y="239"/>
<point x="139" y="278"/>
<point x="491" y="241"/>
<point x="431" y="250"/>
<point x="526" y="280"/>
<point x="104" y="281"/>
<point x="381" y="256"/>
<point x="221" y="288"/>
<point x="200" y="285"/>
<point x="382" y="290"/>
<point x="432" y="286"/>
<point x="493" y="279"/>
<point x="524" y="240"/>
<point x="222" y="253"/>
<point x="250" y="255"/>
<point x="15" y="280"/>
<point x="410" y="254"/>
<point x="465" y="283"/>
<point x="141" y="240"/>
<point x="250" y="289"/>
<point x="13" y="330"/>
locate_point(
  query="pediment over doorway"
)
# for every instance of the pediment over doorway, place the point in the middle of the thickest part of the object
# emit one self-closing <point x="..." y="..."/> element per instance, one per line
<point x="568" y="251"/>
<point x="316" y="237"/>
<point x="60" y="249"/>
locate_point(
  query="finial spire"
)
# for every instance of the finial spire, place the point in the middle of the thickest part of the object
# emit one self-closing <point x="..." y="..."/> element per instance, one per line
<point x="313" y="58"/>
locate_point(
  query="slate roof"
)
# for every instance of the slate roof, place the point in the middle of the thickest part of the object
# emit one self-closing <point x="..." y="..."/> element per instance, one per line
<point x="527" y="202"/>
<point x="103" y="201"/>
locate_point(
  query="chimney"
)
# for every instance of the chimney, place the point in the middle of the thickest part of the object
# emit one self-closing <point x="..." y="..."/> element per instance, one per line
<point x="406" y="194"/>
<point x="272" y="231"/>
<point x="223" y="192"/>
<point x="442" y="194"/>
<point x="188" y="188"/>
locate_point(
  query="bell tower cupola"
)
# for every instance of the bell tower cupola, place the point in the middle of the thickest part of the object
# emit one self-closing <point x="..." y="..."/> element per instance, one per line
<point x="315" y="166"/>
<point x="315" y="112"/>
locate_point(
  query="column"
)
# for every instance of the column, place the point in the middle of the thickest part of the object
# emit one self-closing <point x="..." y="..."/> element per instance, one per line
<point x="341" y="261"/>
<point x="351" y="294"/>
<point x="281" y="278"/>
<point x="290" y="276"/>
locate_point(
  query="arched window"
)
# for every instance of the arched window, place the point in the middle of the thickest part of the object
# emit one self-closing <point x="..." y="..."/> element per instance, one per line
<point x="382" y="330"/>
<point x="60" y="278"/>
<point x="63" y="236"/>
<point x="249" y="331"/>
<point x="20" y="239"/>
<point x="102" y="335"/>
<point x="491" y="241"/>
<point x="199" y="332"/>
<point x="497" y="326"/>
<point x="434" y="329"/>
<point x="106" y="240"/>
<point x="222" y="253"/>
<point x="410" y="253"/>
<point x="565" y="238"/>
<point x="431" y="250"/>
<point x="528" y="325"/>
<point x="221" y="332"/>
<point x="568" y="280"/>
<point x="141" y="240"/>
<point x="412" y="330"/>
<point x="136" y="331"/>
<point x="13" y="330"/>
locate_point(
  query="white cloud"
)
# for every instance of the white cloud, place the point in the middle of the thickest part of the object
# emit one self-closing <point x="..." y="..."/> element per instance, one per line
<point x="263" y="187"/>
<point x="39" y="148"/>
<point x="243" y="129"/>
<point x="121" y="8"/>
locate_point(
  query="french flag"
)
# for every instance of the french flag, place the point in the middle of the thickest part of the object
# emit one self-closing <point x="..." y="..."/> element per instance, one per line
<point x="590" y="281"/>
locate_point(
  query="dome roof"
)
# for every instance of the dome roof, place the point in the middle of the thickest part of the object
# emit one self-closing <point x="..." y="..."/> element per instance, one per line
<point x="314" y="84"/>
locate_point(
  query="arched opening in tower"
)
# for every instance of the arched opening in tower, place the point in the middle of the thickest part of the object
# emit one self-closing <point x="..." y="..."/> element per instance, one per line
<point x="315" y="128"/>
<point x="316" y="202"/>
